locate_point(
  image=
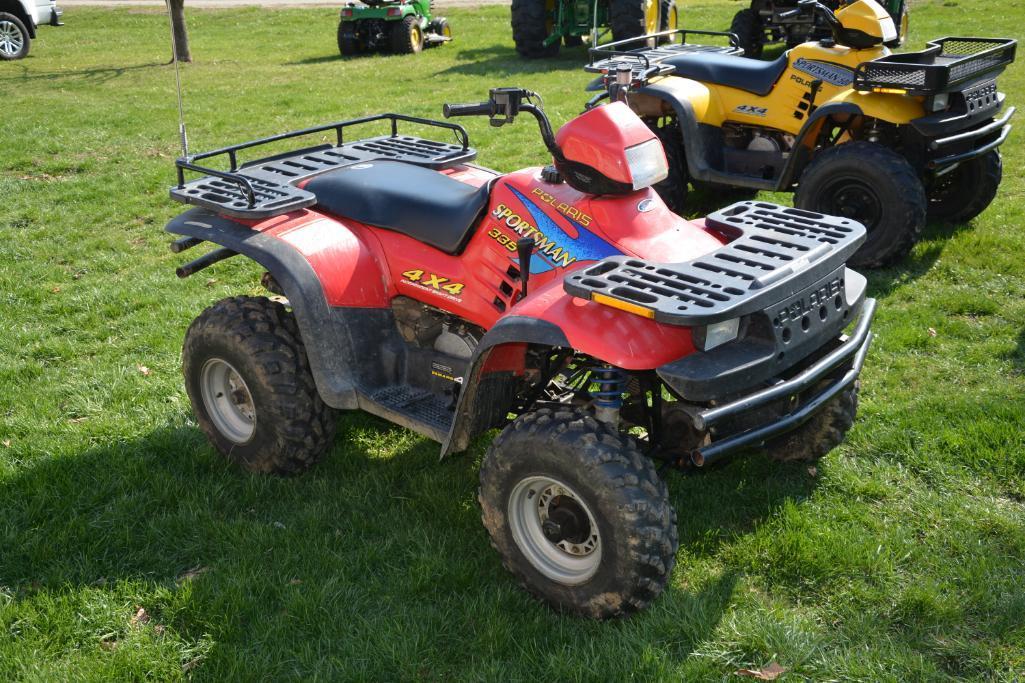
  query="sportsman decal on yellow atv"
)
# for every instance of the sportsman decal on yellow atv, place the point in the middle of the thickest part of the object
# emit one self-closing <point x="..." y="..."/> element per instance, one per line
<point x="887" y="139"/>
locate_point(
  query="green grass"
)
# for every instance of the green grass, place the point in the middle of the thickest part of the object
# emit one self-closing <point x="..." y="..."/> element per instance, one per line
<point x="900" y="559"/>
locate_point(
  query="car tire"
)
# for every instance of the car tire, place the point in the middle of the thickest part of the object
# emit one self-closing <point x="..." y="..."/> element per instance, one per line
<point x="14" y="38"/>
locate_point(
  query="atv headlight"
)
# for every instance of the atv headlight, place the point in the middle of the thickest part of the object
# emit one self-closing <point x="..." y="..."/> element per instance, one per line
<point x="708" y="337"/>
<point x="647" y="163"/>
<point x="939" y="102"/>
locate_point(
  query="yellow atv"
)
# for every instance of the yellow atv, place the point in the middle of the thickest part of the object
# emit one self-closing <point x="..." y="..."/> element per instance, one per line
<point x="886" y="139"/>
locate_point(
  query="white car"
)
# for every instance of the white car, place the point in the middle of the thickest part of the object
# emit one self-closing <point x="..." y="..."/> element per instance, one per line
<point x="19" y="20"/>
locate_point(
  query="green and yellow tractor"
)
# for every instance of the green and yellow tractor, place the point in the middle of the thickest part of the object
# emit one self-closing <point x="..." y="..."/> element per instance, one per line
<point x="540" y="26"/>
<point x="400" y="26"/>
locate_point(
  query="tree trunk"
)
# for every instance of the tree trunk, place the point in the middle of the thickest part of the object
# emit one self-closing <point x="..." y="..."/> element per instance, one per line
<point x="181" y="35"/>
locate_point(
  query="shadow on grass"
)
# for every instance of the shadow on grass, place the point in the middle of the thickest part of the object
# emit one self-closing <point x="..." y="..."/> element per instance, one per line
<point x="95" y="75"/>
<point x="363" y="552"/>
<point x="885" y="281"/>
<point x="502" y="60"/>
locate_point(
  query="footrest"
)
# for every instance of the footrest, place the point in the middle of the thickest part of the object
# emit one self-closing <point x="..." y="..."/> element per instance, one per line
<point x="422" y="410"/>
<point x="774" y="252"/>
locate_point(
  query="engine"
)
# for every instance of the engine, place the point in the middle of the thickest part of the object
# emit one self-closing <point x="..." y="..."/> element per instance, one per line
<point x="441" y="344"/>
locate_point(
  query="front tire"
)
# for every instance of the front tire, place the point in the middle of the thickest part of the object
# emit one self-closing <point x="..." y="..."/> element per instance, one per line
<point x="748" y="28"/>
<point x="673" y="189"/>
<point x="14" y="38"/>
<point x="251" y="388"/>
<point x="531" y="25"/>
<point x="964" y="193"/>
<point x="819" y="435"/>
<point x="578" y="514"/>
<point x="406" y="36"/>
<point x="871" y="184"/>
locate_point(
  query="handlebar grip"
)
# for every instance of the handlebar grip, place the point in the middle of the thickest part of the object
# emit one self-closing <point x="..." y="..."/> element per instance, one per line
<point x="478" y="109"/>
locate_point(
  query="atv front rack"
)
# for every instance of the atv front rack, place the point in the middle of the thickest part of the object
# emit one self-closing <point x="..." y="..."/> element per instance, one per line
<point x="775" y="252"/>
<point x="266" y="187"/>
<point x="943" y="65"/>
<point x="645" y="60"/>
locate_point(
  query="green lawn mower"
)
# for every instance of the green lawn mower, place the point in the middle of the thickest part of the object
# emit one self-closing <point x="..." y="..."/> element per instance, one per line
<point x="399" y="26"/>
<point x="790" y="22"/>
<point x="540" y="26"/>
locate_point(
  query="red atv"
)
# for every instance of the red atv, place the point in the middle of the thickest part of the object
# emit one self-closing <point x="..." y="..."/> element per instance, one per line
<point x="565" y="305"/>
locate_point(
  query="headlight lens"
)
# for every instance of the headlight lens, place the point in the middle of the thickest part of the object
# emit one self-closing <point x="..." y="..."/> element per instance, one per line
<point x="939" y="102"/>
<point x="647" y="163"/>
<point x="717" y="334"/>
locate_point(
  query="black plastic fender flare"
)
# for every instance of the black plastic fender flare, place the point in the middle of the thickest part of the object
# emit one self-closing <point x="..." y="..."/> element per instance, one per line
<point x="324" y="332"/>
<point x="801" y="154"/>
<point x="513" y="329"/>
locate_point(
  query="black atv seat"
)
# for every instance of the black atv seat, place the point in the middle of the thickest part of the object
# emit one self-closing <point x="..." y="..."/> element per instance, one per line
<point x="752" y="75"/>
<point x="426" y="205"/>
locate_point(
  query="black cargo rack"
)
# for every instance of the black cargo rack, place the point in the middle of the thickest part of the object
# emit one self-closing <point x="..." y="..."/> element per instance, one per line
<point x="775" y="252"/>
<point x="943" y="65"/>
<point x="266" y="187"/>
<point x="645" y="59"/>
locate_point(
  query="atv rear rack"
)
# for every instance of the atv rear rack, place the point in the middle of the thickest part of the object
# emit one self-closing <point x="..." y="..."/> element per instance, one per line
<point x="645" y="60"/>
<point x="943" y="65"/>
<point x="267" y="187"/>
<point x="775" y="252"/>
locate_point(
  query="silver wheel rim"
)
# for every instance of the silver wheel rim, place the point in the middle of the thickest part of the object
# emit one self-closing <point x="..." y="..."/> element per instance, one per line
<point x="537" y="500"/>
<point x="11" y="39"/>
<point x="227" y="400"/>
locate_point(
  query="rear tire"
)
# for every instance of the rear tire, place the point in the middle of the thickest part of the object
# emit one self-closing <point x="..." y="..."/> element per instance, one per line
<point x="578" y="514"/>
<point x="673" y="189"/>
<point x="406" y="36"/>
<point x="965" y="192"/>
<point x="348" y="44"/>
<point x="14" y="38"/>
<point x="668" y="16"/>
<point x="819" y="435"/>
<point x="626" y="18"/>
<point x="748" y="28"/>
<point x="871" y="184"/>
<point x="530" y="26"/>
<point x="251" y="388"/>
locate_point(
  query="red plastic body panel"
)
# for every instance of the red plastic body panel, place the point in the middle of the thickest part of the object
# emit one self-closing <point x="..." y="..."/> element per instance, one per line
<point x="363" y="266"/>
<point x="599" y="138"/>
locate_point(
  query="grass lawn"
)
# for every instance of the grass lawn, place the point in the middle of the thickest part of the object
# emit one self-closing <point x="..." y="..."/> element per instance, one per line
<point x="901" y="558"/>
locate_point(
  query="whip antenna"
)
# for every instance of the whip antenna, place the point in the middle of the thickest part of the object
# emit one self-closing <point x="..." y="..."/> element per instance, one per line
<point x="178" y="83"/>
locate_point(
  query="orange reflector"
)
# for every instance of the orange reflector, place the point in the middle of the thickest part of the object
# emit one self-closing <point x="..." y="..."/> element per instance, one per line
<point x="622" y="305"/>
<point x="891" y="91"/>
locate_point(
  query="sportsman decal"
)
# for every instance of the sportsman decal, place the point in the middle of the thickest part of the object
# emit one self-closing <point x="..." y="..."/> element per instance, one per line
<point x="833" y="74"/>
<point x="555" y="247"/>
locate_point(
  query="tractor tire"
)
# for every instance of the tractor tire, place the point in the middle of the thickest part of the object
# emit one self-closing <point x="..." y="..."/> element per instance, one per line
<point x="673" y="189"/>
<point x="406" y="36"/>
<point x="874" y="185"/>
<point x="578" y="515"/>
<point x="965" y="192"/>
<point x="572" y="41"/>
<point x="14" y="38"/>
<point x="668" y="16"/>
<point x="530" y="26"/>
<point x="441" y="27"/>
<point x="251" y="388"/>
<point x="819" y="435"/>
<point x="747" y="26"/>
<point x="626" y="18"/>
<point x="348" y="43"/>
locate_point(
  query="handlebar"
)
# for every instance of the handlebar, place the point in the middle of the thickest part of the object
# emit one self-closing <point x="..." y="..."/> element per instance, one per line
<point x="471" y="109"/>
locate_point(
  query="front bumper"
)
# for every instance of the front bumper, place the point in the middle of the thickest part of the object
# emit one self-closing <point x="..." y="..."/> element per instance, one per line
<point x="839" y="367"/>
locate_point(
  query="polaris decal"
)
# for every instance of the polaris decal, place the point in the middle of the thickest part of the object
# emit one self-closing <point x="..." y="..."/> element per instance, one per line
<point x="751" y="110"/>
<point x="834" y="74"/>
<point x="555" y="247"/>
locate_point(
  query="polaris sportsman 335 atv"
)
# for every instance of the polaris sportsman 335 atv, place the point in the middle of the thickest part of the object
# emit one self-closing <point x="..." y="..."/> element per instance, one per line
<point x="564" y="305"/>
<point x="886" y="139"/>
